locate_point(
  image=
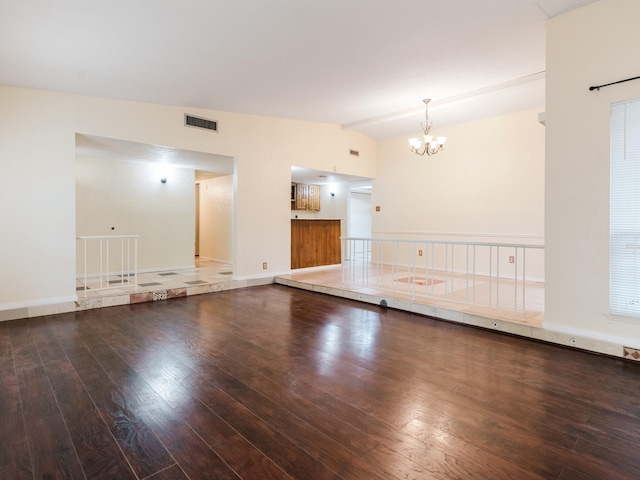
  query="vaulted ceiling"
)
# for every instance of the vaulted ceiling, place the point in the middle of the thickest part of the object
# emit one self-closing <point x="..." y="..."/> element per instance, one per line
<point x="361" y="64"/>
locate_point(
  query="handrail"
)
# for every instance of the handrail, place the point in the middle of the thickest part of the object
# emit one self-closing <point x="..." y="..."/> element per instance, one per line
<point x="93" y="237"/>
<point x="474" y="273"/>
<point x="107" y="261"/>
<point x="449" y="242"/>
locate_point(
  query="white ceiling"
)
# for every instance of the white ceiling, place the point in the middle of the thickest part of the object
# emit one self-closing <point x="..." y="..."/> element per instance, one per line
<point x="102" y="148"/>
<point x="361" y="64"/>
<point x="318" y="177"/>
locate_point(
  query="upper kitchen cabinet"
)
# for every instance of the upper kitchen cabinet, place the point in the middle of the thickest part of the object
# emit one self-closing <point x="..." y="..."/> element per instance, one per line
<point x="305" y="197"/>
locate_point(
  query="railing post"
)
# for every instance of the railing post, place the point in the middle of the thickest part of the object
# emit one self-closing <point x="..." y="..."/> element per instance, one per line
<point x="524" y="264"/>
<point x="474" y="274"/>
<point x="490" y="275"/>
<point x="122" y="262"/>
<point x="498" y="276"/>
<point x="515" y="279"/>
<point x="364" y="280"/>
<point x="135" y="243"/>
<point x="467" y="273"/>
<point x="84" y="241"/>
<point x="101" y="260"/>
<point x="412" y="266"/>
<point x="108" y="263"/>
<point x="453" y="263"/>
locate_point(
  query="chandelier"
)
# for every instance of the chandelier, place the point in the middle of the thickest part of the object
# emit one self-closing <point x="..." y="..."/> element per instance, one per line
<point x="429" y="145"/>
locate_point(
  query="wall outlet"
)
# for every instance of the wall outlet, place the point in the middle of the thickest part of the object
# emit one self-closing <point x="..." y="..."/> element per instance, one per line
<point x="377" y="208"/>
<point x="512" y="259"/>
<point x="264" y="265"/>
<point x="419" y="253"/>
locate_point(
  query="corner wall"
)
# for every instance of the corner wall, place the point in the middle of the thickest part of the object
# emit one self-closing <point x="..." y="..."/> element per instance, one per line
<point x="596" y="44"/>
<point x="37" y="153"/>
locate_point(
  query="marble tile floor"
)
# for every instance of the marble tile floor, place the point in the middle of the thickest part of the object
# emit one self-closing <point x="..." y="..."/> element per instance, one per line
<point x="206" y="272"/>
<point x="205" y="277"/>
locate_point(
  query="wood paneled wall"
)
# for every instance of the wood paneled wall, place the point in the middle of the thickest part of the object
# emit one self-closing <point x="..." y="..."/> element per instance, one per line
<point x="315" y="243"/>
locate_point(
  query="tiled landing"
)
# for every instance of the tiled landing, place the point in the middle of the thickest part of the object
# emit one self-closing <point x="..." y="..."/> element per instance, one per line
<point x="206" y="274"/>
<point x="206" y="277"/>
<point x="527" y="324"/>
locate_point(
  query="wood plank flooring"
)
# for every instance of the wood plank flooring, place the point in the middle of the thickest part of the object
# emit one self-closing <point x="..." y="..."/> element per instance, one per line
<point x="276" y="383"/>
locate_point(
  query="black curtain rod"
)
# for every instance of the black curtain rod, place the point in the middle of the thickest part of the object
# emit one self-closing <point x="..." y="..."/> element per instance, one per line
<point x="598" y="87"/>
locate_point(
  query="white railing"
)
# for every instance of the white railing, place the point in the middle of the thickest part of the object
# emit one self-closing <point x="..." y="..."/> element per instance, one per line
<point x="502" y="276"/>
<point x="108" y="261"/>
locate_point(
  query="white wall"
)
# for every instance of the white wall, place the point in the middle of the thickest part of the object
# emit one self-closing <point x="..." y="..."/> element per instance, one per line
<point x="216" y="218"/>
<point x="126" y="198"/>
<point x="37" y="199"/>
<point x="37" y="154"/>
<point x="487" y="185"/>
<point x="593" y="45"/>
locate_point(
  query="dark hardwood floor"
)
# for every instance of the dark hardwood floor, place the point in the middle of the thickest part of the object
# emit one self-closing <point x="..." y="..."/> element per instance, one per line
<point x="276" y="383"/>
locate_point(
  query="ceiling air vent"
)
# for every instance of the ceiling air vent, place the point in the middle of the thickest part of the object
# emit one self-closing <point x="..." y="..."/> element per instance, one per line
<point x="199" y="122"/>
<point x="355" y="153"/>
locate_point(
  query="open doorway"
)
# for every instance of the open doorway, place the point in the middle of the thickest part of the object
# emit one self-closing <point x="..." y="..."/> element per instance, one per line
<point x="325" y="219"/>
<point x="146" y="191"/>
<point x="214" y="218"/>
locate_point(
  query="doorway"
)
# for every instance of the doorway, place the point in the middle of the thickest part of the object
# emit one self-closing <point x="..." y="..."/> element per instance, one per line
<point x="359" y="218"/>
<point x="214" y="217"/>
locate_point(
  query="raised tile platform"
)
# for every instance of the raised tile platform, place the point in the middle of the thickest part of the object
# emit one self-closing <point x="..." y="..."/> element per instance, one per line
<point x="206" y="277"/>
<point x="528" y="324"/>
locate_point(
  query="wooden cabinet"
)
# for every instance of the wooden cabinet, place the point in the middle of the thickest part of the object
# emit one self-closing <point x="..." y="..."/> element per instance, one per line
<point x="307" y="197"/>
<point x="315" y="243"/>
<point x="302" y="196"/>
<point x="313" y="201"/>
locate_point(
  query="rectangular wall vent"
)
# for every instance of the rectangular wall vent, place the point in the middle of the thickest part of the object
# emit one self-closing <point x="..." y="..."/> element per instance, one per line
<point x="199" y="122"/>
<point x="355" y="153"/>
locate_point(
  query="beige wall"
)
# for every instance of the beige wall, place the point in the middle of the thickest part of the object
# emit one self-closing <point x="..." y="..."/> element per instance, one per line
<point x="126" y="198"/>
<point x="37" y="153"/>
<point x="489" y="180"/>
<point x="216" y="218"/>
<point x="593" y="45"/>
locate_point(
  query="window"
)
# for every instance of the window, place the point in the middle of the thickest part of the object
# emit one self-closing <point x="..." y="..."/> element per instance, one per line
<point x="625" y="209"/>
